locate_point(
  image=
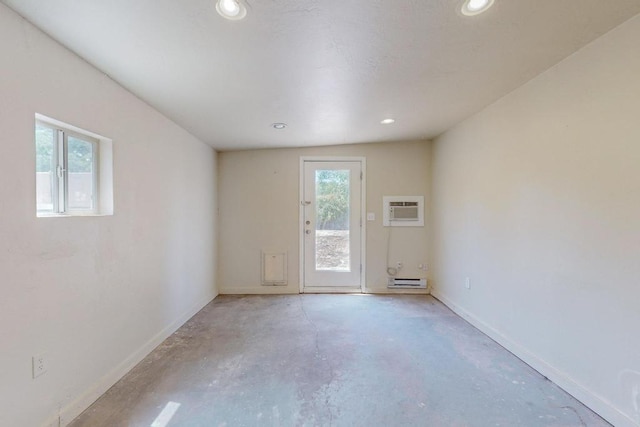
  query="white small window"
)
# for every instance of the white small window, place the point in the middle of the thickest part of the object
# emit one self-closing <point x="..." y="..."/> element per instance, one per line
<point x="69" y="175"/>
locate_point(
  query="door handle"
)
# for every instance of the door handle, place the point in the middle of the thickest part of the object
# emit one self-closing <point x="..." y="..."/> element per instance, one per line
<point x="308" y="231"/>
<point x="305" y="203"/>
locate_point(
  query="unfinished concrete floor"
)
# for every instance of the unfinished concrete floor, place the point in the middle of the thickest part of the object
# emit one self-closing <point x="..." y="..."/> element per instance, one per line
<point x="333" y="360"/>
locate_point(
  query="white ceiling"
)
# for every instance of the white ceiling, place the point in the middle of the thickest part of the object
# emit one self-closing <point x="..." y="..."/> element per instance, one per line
<point x="330" y="69"/>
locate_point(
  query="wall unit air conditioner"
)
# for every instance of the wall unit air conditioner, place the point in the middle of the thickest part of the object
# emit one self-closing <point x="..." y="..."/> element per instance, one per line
<point x="403" y="211"/>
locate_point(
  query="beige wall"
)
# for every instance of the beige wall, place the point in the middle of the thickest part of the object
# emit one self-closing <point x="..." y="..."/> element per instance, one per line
<point x="93" y="294"/>
<point x="259" y="210"/>
<point x="537" y="200"/>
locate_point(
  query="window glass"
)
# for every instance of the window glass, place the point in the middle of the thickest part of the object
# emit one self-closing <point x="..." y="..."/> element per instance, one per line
<point x="45" y="168"/>
<point x="80" y="165"/>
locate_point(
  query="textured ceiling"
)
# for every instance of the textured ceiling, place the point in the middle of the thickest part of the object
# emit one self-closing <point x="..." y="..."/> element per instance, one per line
<point x="330" y="69"/>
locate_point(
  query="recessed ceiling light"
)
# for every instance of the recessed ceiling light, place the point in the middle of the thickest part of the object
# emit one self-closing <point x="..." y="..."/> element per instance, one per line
<point x="279" y="126"/>
<point x="231" y="9"/>
<point x="475" y="7"/>
<point x="387" y="121"/>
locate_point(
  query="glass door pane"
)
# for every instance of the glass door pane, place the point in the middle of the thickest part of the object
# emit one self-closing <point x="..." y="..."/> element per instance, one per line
<point x="332" y="220"/>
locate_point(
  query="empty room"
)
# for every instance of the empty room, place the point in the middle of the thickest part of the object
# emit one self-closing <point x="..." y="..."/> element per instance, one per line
<point x="320" y="213"/>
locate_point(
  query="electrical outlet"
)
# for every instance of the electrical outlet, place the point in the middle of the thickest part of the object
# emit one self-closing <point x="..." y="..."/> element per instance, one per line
<point x="399" y="265"/>
<point x="467" y="283"/>
<point x="39" y="364"/>
<point x="422" y="267"/>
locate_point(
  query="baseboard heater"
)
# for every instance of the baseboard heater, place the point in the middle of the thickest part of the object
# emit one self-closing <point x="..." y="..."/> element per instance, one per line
<point x="397" y="283"/>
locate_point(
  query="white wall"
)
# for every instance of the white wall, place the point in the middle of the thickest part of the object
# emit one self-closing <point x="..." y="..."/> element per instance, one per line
<point x="93" y="294"/>
<point x="537" y="200"/>
<point x="259" y="210"/>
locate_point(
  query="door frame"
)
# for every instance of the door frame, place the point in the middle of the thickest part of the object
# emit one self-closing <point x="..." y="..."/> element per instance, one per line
<point x="363" y="217"/>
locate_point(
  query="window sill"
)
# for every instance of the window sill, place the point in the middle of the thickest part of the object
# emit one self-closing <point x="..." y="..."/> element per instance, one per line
<point x="73" y="215"/>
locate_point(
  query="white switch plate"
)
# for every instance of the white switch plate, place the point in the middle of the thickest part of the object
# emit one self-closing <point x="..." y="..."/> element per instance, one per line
<point x="467" y="283"/>
<point x="371" y="216"/>
<point x="39" y="365"/>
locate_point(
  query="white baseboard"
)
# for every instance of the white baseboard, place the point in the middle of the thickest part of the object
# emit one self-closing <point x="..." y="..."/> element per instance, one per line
<point x="589" y="398"/>
<point x="285" y="290"/>
<point x="260" y="290"/>
<point x="70" y="411"/>
<point x="391" y="291"/>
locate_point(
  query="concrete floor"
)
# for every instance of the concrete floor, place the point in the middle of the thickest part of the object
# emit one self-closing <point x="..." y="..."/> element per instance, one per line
<point x="334" y="360"/>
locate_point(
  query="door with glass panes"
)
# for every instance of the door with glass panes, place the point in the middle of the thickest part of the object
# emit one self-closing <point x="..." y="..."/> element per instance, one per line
<point x="332" y="228"/>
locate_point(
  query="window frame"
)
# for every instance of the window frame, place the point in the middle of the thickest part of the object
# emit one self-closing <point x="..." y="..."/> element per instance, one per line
<point x="101" y="171"/>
